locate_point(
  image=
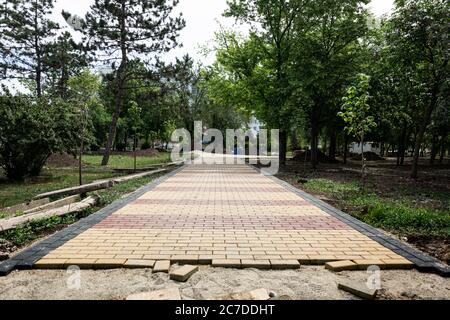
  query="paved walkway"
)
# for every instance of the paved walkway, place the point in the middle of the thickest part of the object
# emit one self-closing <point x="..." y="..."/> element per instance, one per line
<point x="225" y="215"/>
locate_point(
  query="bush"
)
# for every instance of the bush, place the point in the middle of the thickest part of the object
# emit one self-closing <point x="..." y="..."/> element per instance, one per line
<point x="146" y="145"/>
<point x="31" y="131"/>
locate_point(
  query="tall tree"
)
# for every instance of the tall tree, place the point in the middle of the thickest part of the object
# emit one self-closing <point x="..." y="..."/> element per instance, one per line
<point x="273" y="27"/>
<point x="326" y="59"/>
<point x="65" y="59"/>
<point x="120" y="30"/>
<point x="26" y="33"/>
<point x="419" y="38"/>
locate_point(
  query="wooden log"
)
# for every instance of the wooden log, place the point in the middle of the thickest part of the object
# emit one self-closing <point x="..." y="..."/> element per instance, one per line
<point x="22" y="207"/>
<point x="7" y="224"/>
<point x="55" y="204"/>
<point x="104" y="184"/>
<point x="136" y="176"/>
<point x="152" y="167"/>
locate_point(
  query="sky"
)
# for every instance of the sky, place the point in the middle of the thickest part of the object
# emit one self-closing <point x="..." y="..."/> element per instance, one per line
<point x="203" y="18"/>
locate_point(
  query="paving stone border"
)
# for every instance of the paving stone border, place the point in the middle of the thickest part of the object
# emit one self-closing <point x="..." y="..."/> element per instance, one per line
<point x="422" y="261"/>
<point x="26" y="259"/>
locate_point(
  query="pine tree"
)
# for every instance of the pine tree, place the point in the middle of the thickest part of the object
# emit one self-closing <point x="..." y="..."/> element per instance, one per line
<point x="26" y="32"/>
<point x="122" y="30"/>
<point x="65" y="59"/>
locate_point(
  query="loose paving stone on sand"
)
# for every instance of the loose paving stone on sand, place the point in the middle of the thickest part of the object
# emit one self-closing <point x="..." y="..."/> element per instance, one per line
<point x="183" y="273"/>
<point x="161" y="266"/>
<point x="224" y="215"/>
<point x="358" y="289"/>
<point x="139" y="264"/>
<point x="341" y="265"/>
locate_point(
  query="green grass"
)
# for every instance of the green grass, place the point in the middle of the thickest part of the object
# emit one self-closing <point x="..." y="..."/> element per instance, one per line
<point x="12" y="193"/>
<point x="34" y="230"/>
<point x="397" y="213"/>
<point x="123" y="162"/>
<point x="335" y="189"/>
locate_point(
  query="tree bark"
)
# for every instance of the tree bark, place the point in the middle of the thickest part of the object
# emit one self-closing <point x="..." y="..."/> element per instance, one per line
<point x="423" y="127"/>
<point x="113" y="127"/>
<point x="434" y="149"/>
<point x="332" y="147"/>
<point x="120" y="88"/>
<point x="294" y="140"/>
<point x="314" y="146"/>
<point x="283" y="146"/>
<point x="37" y="49"/>
<point x="345" y="148"/>
<point x="134" y="151"/>
<point x="80" y="177"/>
<point x="442" y="150"/>
<point x="363" y="165"/>
<point x="401" y="147"/>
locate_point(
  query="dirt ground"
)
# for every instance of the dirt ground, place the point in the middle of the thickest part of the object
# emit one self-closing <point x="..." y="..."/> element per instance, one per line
<point x="391" y="182"/>
<point x="308" y="282"/>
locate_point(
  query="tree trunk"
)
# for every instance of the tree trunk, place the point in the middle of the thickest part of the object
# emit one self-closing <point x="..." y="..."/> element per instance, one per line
<point x="345" y="148"/>
<point x="134" y="151"/>
<point x="434" y="149"/>
<point x="423" y="127"/>
<point x="442" y="150"/>
<point x="113" y="128"/>
<point x="363" y="165"/>
<point x="37" y="49"/>
<point x="283" y="146"/>
<point x="294" y="140"/>
<point x="401" y="146"/>
<point x="120" y="87"/>
<point x="314" y="146"/>
<point x="80" y="177"/>
<point x="332" y="147"/>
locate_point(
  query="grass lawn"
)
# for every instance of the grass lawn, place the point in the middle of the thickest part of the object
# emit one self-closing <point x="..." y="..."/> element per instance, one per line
<point x="397" y="212"/>
<point x="51" y="178"/>
<point x="120" y="161"/>
<point x="36" y="229"/>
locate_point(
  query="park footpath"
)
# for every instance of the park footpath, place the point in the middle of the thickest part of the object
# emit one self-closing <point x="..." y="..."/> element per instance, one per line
<point x="224" y="216"/>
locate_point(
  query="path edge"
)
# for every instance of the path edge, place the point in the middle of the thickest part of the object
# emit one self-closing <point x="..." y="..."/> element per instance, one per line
<point x="26" y="258"/>
<point x="421" y="260"/>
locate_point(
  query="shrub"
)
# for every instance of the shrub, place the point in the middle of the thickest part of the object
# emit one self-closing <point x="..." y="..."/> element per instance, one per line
<point x="146" y="145"/>
<point x="30" y="131"/>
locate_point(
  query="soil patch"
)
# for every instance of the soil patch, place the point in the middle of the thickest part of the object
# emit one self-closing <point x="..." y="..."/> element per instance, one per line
<point x="299" y="155"/>
<point x="430" y="190"/>
<point x="62" y="160"/>
<point x="438" y="247"/>
<point x="369" y="156"/>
